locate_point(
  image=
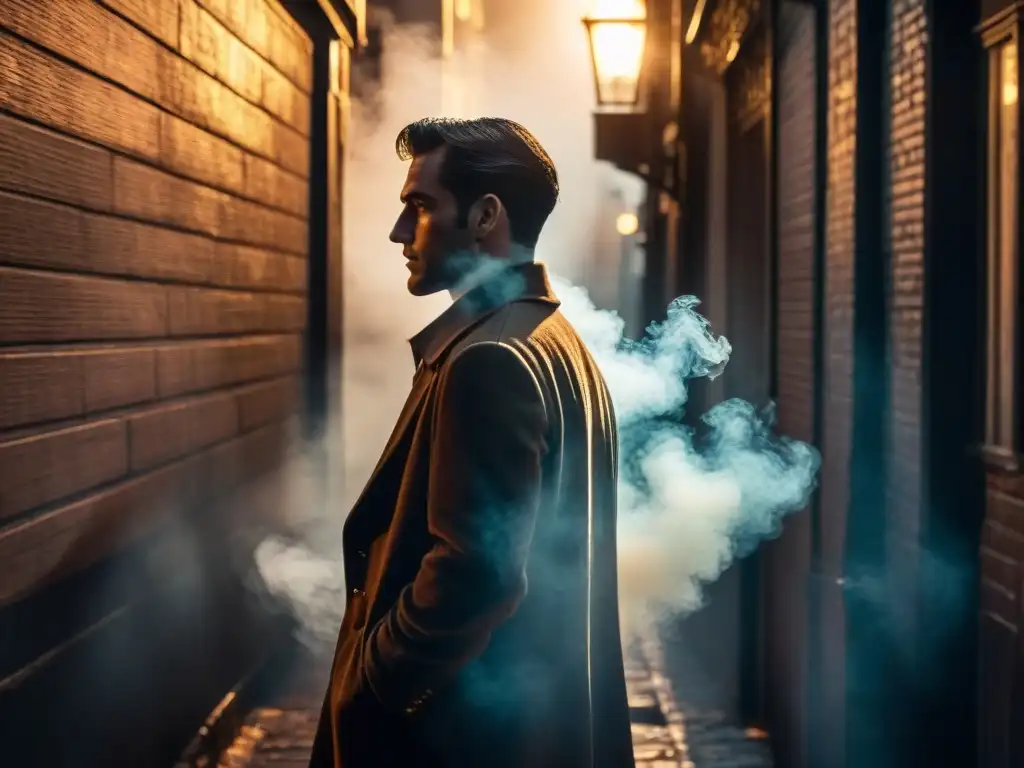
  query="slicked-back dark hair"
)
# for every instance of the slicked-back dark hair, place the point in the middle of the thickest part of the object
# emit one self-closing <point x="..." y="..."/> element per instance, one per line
<point x="489" y="155"/>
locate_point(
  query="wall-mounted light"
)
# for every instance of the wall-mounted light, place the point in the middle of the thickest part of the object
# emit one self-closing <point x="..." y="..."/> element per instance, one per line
<point x="617" y="30"/>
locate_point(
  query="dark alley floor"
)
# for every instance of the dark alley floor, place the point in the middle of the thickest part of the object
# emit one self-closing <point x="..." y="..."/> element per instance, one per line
<point x="279" y="733"/>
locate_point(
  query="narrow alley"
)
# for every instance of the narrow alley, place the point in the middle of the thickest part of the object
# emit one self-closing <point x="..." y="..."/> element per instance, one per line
<point x="278" y="731"/>
<point x="197" y="286"/>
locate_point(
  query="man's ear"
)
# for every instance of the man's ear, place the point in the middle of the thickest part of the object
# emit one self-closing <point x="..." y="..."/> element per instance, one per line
<point x="484" y="215"/>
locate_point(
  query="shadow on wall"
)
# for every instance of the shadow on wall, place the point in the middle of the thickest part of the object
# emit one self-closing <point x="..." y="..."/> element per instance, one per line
<point x="160" y="631"/>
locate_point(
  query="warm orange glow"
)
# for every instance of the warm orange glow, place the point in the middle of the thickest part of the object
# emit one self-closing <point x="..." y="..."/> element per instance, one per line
<point x="1010" y="74"/>
<point x="619" y="9"/>
<point x="617" y="38"/>
<point x="627" y="224"/>
<point x="618" y="49"/>
<point x="695" y="19"/>
<point x="447" y="28"/>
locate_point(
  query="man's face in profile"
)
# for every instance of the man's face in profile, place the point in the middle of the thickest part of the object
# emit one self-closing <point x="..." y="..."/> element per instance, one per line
<point x="428" y="227"/>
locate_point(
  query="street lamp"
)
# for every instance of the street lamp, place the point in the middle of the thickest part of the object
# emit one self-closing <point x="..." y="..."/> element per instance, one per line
<point x="627" y="224"/>
<point x="617" y="30"/>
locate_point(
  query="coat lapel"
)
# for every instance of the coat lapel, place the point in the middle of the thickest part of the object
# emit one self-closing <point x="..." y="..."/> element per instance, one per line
<point x="429" y="346"/>
<point x="406" y="423"/>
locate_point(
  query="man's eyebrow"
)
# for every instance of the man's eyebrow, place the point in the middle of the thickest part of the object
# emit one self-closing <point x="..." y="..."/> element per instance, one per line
<point x="416" y="196"/>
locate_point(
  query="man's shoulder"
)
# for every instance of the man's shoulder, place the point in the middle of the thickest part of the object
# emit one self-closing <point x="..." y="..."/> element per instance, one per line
<point x="538" y="332"/>
<point x="523" y="322"/>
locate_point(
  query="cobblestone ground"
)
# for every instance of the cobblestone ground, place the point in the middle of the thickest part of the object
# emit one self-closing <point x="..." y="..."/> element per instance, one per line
<point x="708" y="739"/>
<point x="665" y="735"/>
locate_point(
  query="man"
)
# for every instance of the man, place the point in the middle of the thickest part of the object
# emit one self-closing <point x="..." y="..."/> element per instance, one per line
<point x="481" y="627"/>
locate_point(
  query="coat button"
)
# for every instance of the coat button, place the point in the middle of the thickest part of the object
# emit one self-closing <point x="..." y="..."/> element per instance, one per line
<point x="361" y="553"/>
<point x="357" y="592"/>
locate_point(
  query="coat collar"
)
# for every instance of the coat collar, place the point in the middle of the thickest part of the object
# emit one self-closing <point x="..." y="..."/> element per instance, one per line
<point x="522" y="282"/>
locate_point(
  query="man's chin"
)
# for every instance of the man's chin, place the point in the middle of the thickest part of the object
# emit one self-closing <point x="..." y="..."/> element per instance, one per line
<point x="417" y="286"/>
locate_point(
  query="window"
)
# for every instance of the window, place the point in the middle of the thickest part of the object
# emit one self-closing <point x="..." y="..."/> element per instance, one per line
<point x="1002" y="273"/>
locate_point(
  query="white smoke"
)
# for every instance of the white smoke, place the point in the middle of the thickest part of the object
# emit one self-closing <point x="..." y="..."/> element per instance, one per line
<point x="685" y="511"/>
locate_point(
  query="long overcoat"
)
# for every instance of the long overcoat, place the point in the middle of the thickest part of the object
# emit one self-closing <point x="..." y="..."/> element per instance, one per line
<point x="481" y="627"/>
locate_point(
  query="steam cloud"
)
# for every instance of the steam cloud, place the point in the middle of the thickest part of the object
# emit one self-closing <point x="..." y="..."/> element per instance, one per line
<point x="686" y="510"/>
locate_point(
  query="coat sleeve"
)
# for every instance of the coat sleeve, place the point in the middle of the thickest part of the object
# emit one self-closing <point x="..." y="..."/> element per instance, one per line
<point x="488" y="444"/>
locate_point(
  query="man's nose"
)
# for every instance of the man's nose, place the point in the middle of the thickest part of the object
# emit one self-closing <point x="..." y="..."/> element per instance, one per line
<point x="401" y="233"/>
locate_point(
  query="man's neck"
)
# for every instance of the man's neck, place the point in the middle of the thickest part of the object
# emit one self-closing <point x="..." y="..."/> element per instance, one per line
<point x="491" y="266"/>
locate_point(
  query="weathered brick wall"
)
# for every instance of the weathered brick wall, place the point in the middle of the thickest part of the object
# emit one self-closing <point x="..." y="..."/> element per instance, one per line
<point x="787" y="560"/>
<point x="1001" y="657"/>
<point x="153" y="199"/>
<point x="838" y="351"/>
<point x="153" y="238"/>
<point x="796" y="172"/>
<point x="908" y="45"/>
<point x="1001" y="597"/>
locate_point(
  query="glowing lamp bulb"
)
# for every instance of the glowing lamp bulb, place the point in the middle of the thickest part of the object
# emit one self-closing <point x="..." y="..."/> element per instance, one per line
<point x="618" y="31"/>
<point x="627" y="224"/>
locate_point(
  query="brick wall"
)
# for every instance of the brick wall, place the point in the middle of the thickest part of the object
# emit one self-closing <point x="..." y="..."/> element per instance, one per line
<point x="787" y="560"/>
<point x="1001" y="657"/>
<point x="908" y="44"/>
<point x="748" y="310"/>
<point x="838" y="351"/>
<point x="1001" y="588"/>
<point x="795" y="191"/>
<point x="153" y="238"/>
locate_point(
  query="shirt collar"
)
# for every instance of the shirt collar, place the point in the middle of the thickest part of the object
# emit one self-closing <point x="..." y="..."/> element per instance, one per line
<point x="522" y="282"/>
